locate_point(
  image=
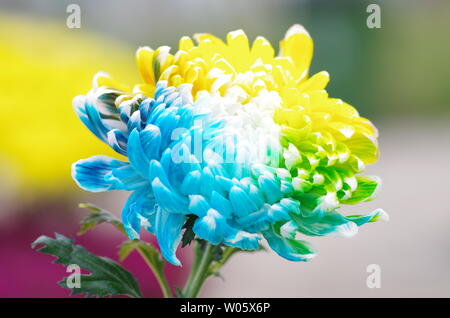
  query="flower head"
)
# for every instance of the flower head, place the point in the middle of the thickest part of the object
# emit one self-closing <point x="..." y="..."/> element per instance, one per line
<point x="243" y="141"/>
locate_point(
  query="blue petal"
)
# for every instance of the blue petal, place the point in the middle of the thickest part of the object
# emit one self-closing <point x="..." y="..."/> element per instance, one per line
<point x="207" y="184"/>
<point x="256" y="221"/>
<point x="270" y="189"/>
<point x="160" y="86"/>
<point x="103" y="173"/>
<point x="211" y="227"/>
<point x="169" y="200"/>
<point x="126" y="178"/>
<point x="187" y="116"/>
<point x="90" y="117"/>
<point x="191" y="183"/>
<point x="286" y="188"/>
<point x="118" y="141"/>
<point x="373" y="216"/>
<point x="156" y="171"/>
<point x="256" y="195"/>
<point x="139" y="210"/>
<point x="166" y="122"/>
<point x="278" y="212"/>
<point x="241" y="202"/>
<point x="145" y="108"/>
<point x="225" y="184"/>
<point x="168" y="233"/>
<point x="293" y="206"/>
<point x="102" y="112"/>
<point x="135" y="121"/>
<point x="242" y="240"/>
<point x="136" y="154"/>
<point x="198" y="205"/>
<point x="151" y="141"/>
<point x="219" y="203"/>
<point x="158" y="110"/>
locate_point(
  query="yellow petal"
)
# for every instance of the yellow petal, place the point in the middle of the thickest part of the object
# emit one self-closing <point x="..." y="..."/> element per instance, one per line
<point x="316" y="82"/>
<point x="144" y="59"/>
<point x="364" y="147"/>
<point x="145" y="89"/>
<point x="292" y="97"/>
<point x="103" y="79"/>
<point x="239" y="49"/>
<point x="262" y="49"/>
<point x="224" y="65"/>
<point x="185" y="44"/>
<point x="238" y="41"/>
<point x="168" y="72"/>
<point x="162" y="59"/>
<point x="201" y="37"/>
<point x="299" y="46"/>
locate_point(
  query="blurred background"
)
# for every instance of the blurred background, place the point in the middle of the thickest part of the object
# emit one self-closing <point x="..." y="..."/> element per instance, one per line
<point x="398" y="76"/>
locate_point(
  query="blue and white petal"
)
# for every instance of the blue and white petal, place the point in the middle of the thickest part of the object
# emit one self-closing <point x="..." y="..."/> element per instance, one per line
<point x="291" y="249"/>
<point x="103" y="173"/>
<point x="168" y="233"/>
<point x="139" y="211"/>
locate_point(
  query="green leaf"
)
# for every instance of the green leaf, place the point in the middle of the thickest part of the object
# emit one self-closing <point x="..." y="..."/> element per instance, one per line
<point x="148" y="252"/>
<point x="153" y="259"/>
<point x="106" y="278"/>
<point x="217" y="253"/>
<point x="97" y="217"/>
<point x="188" y="234"/>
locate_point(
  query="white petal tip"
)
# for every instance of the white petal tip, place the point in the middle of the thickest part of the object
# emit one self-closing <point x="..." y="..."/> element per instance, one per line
<point x="347" y="230"/>
<point x="382" y="215"/>
<point x="296" y="29"/>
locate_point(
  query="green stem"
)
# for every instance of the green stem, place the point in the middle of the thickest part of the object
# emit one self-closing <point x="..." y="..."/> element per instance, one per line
<point x="227" y="253"/>
<point x="159" y="274"/>
<point x="195" y="263"/>
<point x="200" y="271"/>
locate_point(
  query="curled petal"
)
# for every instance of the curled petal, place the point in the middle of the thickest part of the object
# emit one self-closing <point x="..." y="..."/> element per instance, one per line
<point x="242" y="239"/>
<point x="103" y="173"/>
<point x="118" y="141"/>
<point x="376" y="215"/>
<point x="293" y="250"/>
<point x="168" y="233"/>
<point x="330" y="223"/>
<point x="366" y="189"/>
<point x="139" y="211"/>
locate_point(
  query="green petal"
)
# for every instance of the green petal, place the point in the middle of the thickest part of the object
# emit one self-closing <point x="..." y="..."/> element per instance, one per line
<point x="366" y="190"/>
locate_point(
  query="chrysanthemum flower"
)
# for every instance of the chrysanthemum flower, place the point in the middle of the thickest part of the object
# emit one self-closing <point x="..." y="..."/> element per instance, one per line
<point x="244" y="142"/>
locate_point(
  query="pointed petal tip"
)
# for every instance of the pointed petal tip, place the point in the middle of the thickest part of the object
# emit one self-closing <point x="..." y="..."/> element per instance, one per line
<point x="381" y="215"/>
<point x="174" y="261"/>
<point x="96" y="79"/>
<point x="78" y="102"/>
<point x="236" y="33"/>
<point x="347" y="230"/>
<point x="303" y="257"/>
<point x="144" y="48"/>
<point x="296" y="29"/>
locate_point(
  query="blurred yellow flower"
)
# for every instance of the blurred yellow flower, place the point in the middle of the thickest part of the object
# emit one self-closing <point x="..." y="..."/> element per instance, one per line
<point x="43" y="65"/>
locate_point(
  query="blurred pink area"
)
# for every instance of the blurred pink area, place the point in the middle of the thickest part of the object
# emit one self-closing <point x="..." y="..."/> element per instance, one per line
<point x="28" y="273"/>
